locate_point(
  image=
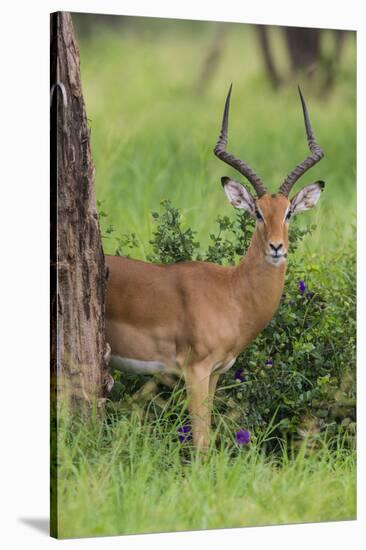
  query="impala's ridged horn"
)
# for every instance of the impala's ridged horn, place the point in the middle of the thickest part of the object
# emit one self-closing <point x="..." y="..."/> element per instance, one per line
<point x="317" y="154"/>
<point x="238" y="164"/>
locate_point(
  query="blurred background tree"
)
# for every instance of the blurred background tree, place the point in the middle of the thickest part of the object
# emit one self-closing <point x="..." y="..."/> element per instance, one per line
<point x="305" y="51"/>
<point x="304" y="48"/>
<point x="309" y="51"/>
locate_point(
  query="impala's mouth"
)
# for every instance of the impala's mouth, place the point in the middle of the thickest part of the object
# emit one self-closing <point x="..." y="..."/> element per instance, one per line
<point x="276" y="259"/>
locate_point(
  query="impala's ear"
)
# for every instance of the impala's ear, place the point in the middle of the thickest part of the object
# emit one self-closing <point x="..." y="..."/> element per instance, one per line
<point x="238" y="195"/>
<point x="307" y="197"/>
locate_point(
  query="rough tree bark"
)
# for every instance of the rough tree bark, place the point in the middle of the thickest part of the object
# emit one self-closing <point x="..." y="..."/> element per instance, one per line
<point x="78" y="273"/>
<point x="77" y="261"/>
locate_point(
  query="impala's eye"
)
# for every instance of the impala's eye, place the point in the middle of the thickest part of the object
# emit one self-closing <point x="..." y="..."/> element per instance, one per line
<point x="288" y="215"/>
<point x="258" y="215"/>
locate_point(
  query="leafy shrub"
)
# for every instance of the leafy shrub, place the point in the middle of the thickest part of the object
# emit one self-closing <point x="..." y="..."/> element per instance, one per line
<point x="171" y="243"/>
<point x="298" y="377"/>
<point x="299" y="373"/>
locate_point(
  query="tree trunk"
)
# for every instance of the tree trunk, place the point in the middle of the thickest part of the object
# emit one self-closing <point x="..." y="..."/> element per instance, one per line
<point x="303" y="46"/>
<point x="212" y="58"/>
<point x="78" y="273"/>
<point x="78" y="341"/>
<point x="262" y="32"/>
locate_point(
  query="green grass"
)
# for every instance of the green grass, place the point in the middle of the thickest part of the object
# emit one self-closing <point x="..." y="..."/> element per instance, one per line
<point x="152" y="139"/>
<point x="133" y="476"/>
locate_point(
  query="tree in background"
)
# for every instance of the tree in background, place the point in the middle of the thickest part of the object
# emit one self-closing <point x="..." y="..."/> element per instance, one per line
<point x="305" y="53"/>
<point x="304" y="48"/>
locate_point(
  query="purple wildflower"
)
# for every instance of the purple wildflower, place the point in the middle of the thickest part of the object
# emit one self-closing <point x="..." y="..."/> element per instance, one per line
<point x="184" y="433"/>
<point x="309" y="295"/>
<point x="269" y="362"/>
<point x="242" y="437"/>
<point x="302" y="287"/>
<point x="239" y="375"/>
<point x="283" y="297"/>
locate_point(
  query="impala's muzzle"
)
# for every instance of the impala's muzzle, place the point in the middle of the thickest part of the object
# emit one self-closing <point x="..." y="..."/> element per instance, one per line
<point x="276" y="253"/>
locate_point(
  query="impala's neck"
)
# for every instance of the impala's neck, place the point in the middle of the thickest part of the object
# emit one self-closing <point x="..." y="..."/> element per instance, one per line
<point x="258" y="286"/>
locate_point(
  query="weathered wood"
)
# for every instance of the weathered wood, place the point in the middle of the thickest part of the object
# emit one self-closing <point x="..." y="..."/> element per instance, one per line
<point x="77" y="260"/>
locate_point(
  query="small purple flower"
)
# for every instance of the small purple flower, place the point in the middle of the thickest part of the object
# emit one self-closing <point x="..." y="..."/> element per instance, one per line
<point x="242" y="437"/>
<point x="184" y="433"/>
<point x="269" y="362"/>
<point x="239" y="375"/>
<point x="283" y="297"/>
<point x="309" y="295"/>
<point x="302" y="287"/>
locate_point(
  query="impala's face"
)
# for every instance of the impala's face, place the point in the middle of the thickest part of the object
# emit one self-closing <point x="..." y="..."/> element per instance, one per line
<point x="272" y="214"/>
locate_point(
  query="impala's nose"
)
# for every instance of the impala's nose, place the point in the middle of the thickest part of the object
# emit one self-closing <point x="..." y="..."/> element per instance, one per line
<point x="276" y="247"/>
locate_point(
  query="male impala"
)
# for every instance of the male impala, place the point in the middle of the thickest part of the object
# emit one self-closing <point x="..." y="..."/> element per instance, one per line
<point x="195" y="318"/>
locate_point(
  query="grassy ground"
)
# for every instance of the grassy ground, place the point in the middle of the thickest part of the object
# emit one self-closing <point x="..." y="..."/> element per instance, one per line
<point x="131" y="476"/>
<point x="152" y="139"/>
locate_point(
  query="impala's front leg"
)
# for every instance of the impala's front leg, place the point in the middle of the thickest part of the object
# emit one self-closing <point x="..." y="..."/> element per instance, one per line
<point x="197" y="380"/>
<point x="214" y="378"/>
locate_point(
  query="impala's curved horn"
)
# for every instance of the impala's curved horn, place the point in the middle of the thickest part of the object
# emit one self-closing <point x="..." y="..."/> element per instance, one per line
<point x="242" y="167"/>
<point x="316" y="156"/>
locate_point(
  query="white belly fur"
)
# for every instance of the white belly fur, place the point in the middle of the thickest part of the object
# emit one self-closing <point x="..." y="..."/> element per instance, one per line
<point x="125" y="364"/>
<point x="220" y="368"/>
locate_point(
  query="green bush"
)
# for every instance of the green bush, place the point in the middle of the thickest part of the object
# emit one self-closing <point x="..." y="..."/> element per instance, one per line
<point x="297" y="379"/>
<point x="299" y="373"/>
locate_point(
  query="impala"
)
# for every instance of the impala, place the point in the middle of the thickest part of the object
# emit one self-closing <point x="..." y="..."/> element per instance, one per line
<point x="195" y="318"/>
